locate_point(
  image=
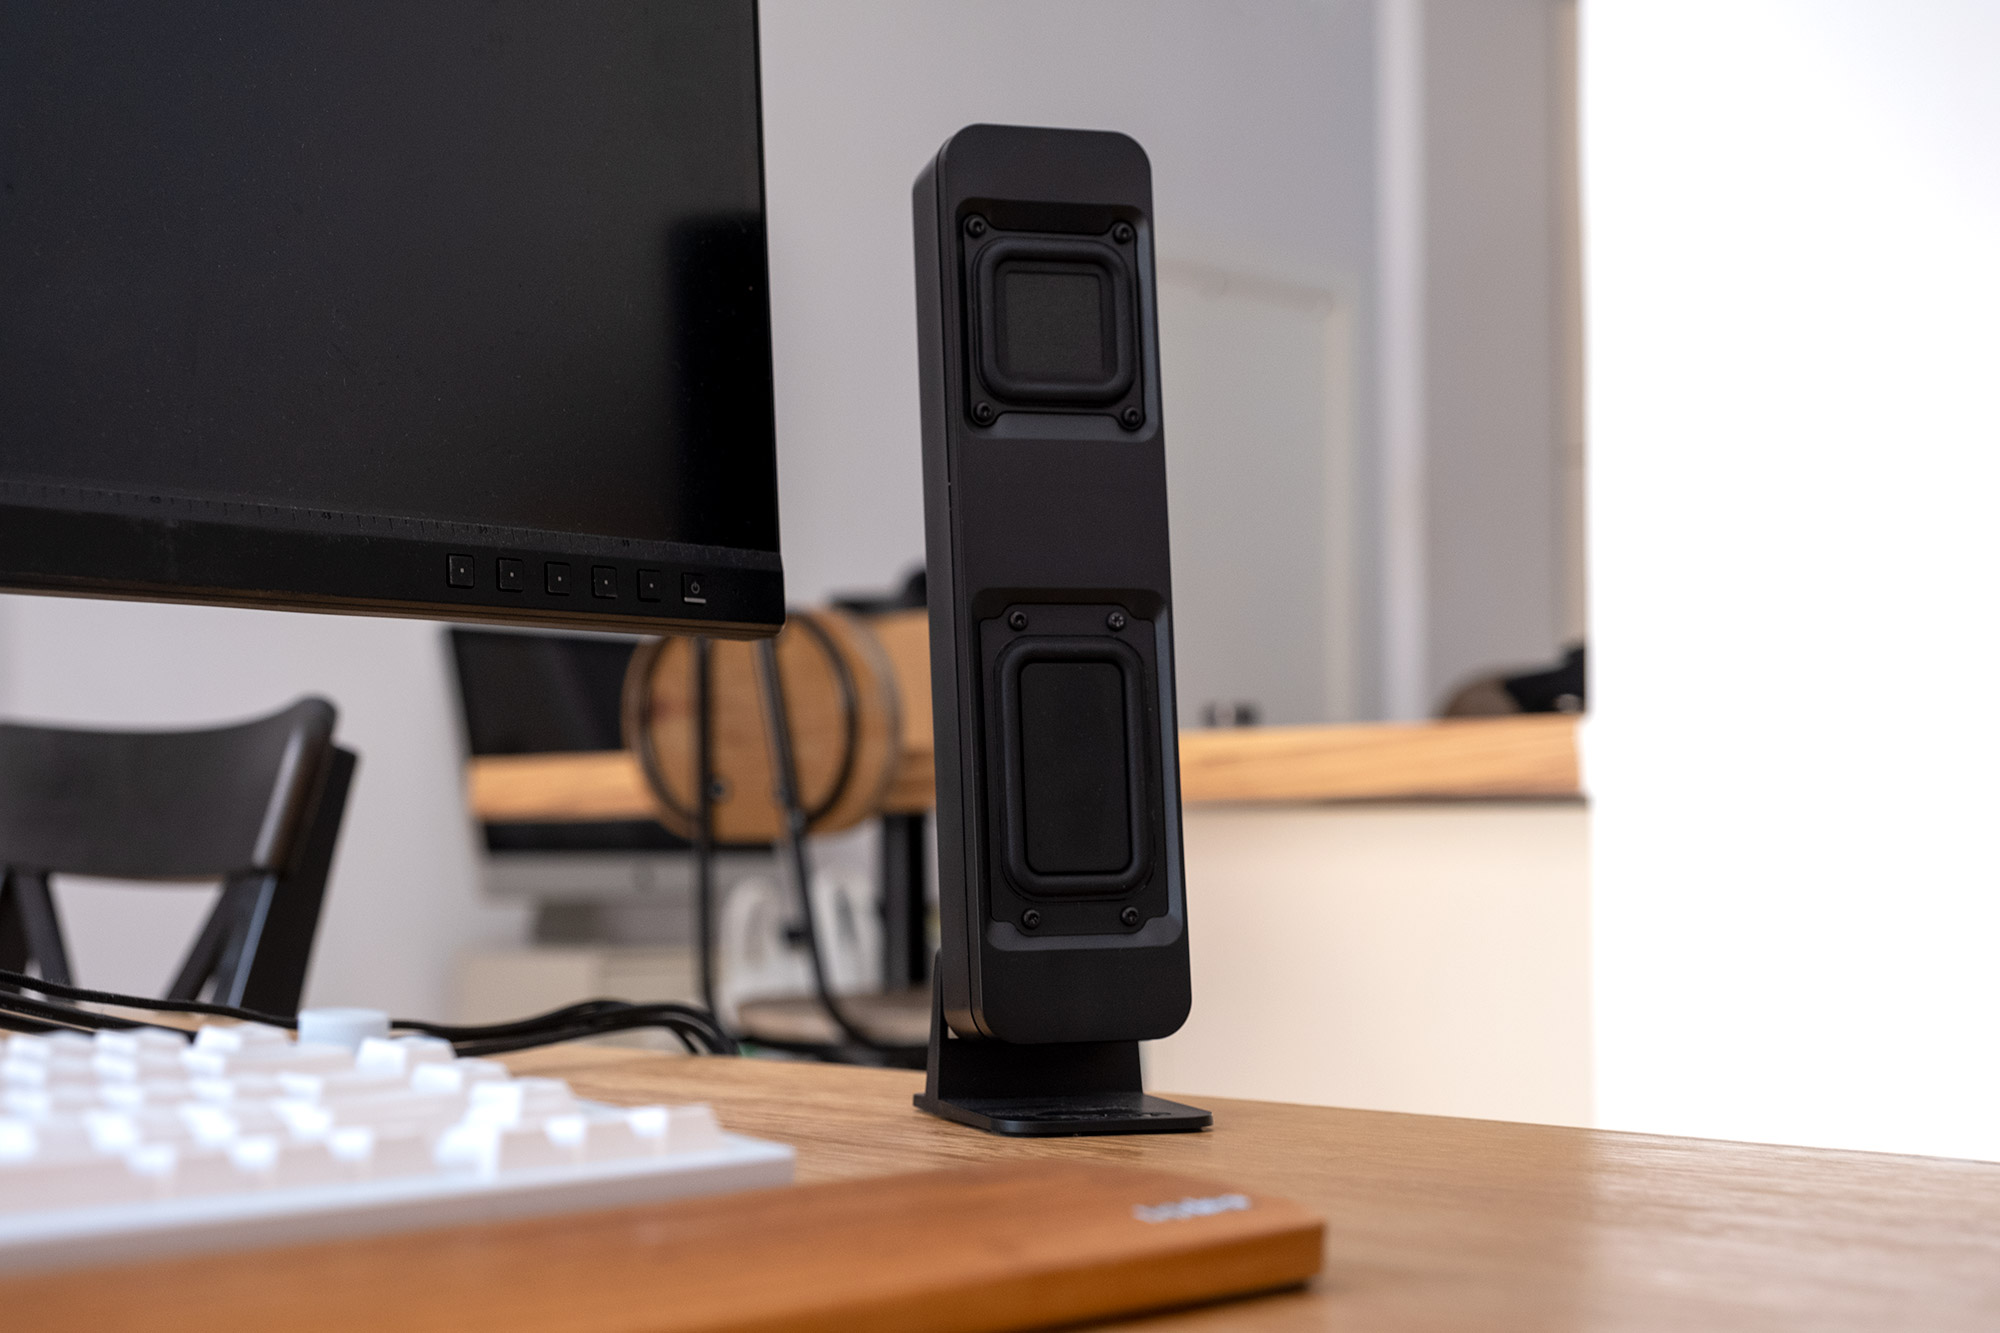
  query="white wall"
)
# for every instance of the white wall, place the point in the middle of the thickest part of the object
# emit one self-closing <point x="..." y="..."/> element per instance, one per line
<point x="1791" y="213"/>
<point x="404" y="896"/>
<point x="1382" y="558"/>
<point x="1492" y="370"/>
<point x="1258" y="118"/>
<point x="1432" y="958"/>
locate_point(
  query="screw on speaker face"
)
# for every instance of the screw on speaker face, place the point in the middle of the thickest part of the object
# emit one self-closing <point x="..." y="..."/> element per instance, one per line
<point x="1019" y="620"/>
<point x="975" y="225"/>
<point x="1116" y="620"/>
<point x="1031" y="919"/>
<point x="1130" y="916"/>
<point x="1122" y="233"/>
<point x="983" y="413"/>
<point x="1131" y="418"/>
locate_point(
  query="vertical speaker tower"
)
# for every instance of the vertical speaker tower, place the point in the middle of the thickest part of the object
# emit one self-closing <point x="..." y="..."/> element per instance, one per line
<point x="1062" y="903"/>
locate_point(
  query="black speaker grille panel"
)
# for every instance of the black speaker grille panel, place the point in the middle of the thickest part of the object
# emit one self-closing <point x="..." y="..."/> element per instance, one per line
<point x="1077" y="799"/>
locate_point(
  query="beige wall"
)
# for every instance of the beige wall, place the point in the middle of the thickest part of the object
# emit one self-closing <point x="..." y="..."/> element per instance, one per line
<point x="1429" y="958"/>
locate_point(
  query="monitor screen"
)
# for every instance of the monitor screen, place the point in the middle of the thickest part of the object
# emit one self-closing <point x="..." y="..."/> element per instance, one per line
<point x="454" y="308"/>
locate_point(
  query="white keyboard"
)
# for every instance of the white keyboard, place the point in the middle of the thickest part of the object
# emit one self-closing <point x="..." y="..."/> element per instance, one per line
<point x="139" y="1144"/>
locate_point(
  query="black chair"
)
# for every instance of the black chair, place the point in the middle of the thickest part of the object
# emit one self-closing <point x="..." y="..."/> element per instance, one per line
<point x="257" y="806"/>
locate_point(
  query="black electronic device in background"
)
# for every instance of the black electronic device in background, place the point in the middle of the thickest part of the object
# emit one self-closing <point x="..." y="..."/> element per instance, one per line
<point x="1064" y="917"/>
<point x="454" y="309"/>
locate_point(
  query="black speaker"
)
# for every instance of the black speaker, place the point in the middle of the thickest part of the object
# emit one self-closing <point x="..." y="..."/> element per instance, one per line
<point x="1064" y="913"/>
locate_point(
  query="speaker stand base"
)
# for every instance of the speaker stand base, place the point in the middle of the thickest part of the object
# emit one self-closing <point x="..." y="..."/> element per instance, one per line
<point x="1079" y="1087"/>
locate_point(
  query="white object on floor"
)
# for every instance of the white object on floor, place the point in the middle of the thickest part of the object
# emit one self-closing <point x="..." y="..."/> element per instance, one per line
<point x="761" y="956"/>
<point x="131" y="1145"/>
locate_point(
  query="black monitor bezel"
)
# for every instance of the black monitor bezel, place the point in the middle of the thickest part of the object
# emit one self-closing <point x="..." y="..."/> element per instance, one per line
<point x="62" y="541"/>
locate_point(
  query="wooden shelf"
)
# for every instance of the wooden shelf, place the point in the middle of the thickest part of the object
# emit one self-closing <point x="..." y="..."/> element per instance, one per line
<point x="1531" y="755"/>
<point x="1471" y="758"/>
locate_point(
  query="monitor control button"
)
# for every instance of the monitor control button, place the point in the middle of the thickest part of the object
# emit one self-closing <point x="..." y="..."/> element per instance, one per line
<point x="555" y="578"/>
<point x="651" y="585"/>
<point x="693" y="589"/>
<point x="458" y="571"/>
<point x="603" y="581"/>
<point x="513" y="574"/>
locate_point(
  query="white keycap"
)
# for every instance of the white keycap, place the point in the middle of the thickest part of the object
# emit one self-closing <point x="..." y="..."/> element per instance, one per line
<point x="529" y="1148"/>
<point x="240" y="1036"/>
<point x="268" y="1060"/>
<point x="67" y="1096"/>
<point x="672" y="1129"/>
<point x="305" y="1122"/>
<point x="111" y="1132"/>
<point x="519" y="1101"/>
<point x="399" y="1055"/>
<point x="345" y="1028"/>
<point x="255" y="1156"/>
<point x="455" y="1076"/>
<point x="299" y="1165"/>
<point x="18" y="1140"/>
<point x="337" y="1086"/>
<point x="394" y="1156"/>
<point x="155" y="1164"/>
<point x="431" y="1111"/>
<point x="209" y="1126"/>
<point x="28" y="1046"/>
<point x="139" y="1041"/>
<point x="149" y="1145"/>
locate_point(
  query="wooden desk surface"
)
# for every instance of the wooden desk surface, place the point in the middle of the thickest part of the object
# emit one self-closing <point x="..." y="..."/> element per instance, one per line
<point x="1454" y="1224"/>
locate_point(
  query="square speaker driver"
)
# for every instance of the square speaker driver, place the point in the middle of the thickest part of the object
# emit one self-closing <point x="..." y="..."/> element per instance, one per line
<point x="1054" y="323"/>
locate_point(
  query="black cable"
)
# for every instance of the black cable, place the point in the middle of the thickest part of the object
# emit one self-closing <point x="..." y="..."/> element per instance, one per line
<point x="22" y="981"/>
<point x="501" y="1046"/>
<point x="10" y="1022"/>
<point x="693" y="1035"/>
<point x="850" y="717"/>
<point x="82" y="1018"/>
<point x="700" y="821"/>
<point x="683" y="1020"/>
<point x="604" y="1015"/>
<point x="637" y="714"/>
<point x="704" y="827"/>
<point x="627" y="1015"/>
<point x="784" y="774"/>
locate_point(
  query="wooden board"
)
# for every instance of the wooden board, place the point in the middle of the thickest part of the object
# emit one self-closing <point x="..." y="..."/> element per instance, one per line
<point x="585" y="787"/>
<point x="1443" y="1224"/>
<point x="967" y="1250"/>
<point x="1467" y="758"/>
<point x="1430" y="1223"/>
<point x="1529" y="755"/>
<point x="841" y="783"/>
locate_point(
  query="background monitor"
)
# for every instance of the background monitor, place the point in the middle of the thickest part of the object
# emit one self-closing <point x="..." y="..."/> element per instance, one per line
<point x="454" y="309"/>
<point x="532" y="692"/>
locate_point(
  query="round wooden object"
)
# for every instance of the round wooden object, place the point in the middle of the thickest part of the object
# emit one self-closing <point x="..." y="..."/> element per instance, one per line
<point x="840" y="783"/>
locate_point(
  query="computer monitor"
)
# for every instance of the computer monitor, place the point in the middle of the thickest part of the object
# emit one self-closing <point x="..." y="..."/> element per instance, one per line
<point x="454" y="309"/>
<point x="537" y="692"/>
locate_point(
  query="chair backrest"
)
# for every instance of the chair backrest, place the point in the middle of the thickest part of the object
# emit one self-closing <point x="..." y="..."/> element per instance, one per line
<point x="161" y="804"/>
<point x="257" y="806"/>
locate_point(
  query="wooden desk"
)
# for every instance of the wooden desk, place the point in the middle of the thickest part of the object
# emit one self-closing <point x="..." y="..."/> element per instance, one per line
<point x="1455" y="1224"/>
<point x="1462" y="758"/>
